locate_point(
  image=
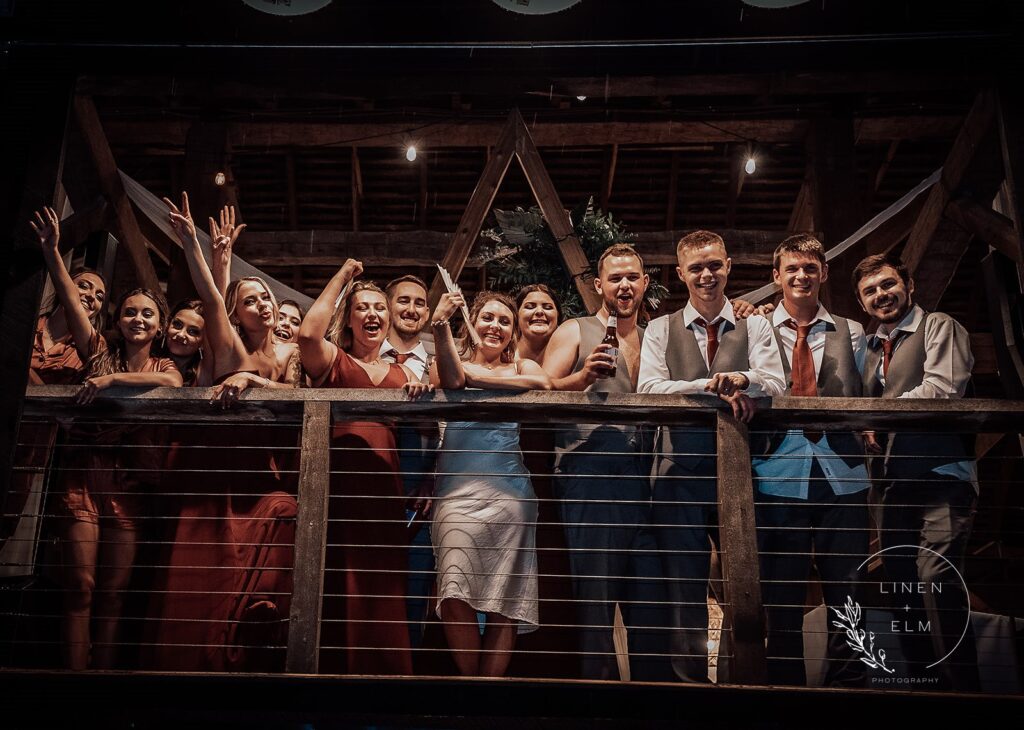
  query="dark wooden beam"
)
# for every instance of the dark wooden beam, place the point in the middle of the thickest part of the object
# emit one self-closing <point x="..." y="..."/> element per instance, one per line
<point x="836" y="200"/>
<point x="1011" y="137"/>
<point x="303" y="655"/>
<point x="265" y="135"/>
<point x="946" y="248"/>
<point x="975" y="127"/>
<point x="498" y="160"/>
<point x="991" y="227"/>
<point x="880" y="173"/>
<point x="555" y="214"/>
<point x="744" y="611"/>
<point x="123" y="222"/>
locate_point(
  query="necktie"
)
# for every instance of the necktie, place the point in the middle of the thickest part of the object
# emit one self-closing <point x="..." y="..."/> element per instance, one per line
<point x="888" y="345"/>
<point x="399" y="357"/>
<point x="712" y="330"/>
<point x="805" y="382"/>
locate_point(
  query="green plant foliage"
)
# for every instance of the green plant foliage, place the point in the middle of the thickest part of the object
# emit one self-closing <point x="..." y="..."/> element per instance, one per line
<point x="521" y="250"/>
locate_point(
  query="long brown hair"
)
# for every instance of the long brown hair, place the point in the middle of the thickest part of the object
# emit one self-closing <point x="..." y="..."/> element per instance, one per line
<point x="340" y="331"/>
<point x="191" y="366"/>
<point x="113" y="358"/>
<point x="466" y="346"/>
<point x="50" y="305"/>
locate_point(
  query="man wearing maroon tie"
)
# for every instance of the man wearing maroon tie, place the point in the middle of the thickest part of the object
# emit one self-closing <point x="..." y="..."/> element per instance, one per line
<point x="702" y="348"/>
<point x="927" y="481"/>
<point x="812" y="486"/>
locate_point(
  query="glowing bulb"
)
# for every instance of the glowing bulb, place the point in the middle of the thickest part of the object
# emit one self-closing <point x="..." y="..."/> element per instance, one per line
<point x="750" y="166"/>
<point x="581" y="97"/>
<point x="219" y="179"/>
<point x="410" y="153"/>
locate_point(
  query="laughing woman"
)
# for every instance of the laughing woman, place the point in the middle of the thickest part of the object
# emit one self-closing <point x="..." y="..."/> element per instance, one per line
<point x="539" y="313"/>
<point x="364" y="589"/>
<point x="101" y="500"/>
<point x="486" y="511"/>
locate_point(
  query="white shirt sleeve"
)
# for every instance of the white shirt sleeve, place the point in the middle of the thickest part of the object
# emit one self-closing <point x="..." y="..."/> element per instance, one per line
<point x="859" y="343"/>
<point x="766" y="374"/>
<point x="948" y="360"/>
<point x="654" y="376"/>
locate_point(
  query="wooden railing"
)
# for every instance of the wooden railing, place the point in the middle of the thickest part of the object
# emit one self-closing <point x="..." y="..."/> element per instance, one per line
<point x="317" y="408"/>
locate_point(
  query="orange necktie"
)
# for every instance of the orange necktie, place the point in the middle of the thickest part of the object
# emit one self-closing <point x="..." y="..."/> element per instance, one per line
<point x="805" y="382"/>
<point x="400" y="357"/>
<point x="712" y="330"/>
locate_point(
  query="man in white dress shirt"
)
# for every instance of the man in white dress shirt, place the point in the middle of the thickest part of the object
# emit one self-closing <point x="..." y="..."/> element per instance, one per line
<point x="927" y="481"/>
<point x="702" y="348"/>
<point x="812" y="486"/>
<point x="417" y="443"/>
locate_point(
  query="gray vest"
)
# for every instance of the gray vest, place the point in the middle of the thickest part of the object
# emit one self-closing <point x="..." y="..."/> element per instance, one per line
<point x="591" y="437"/>
<point x="906" y="371"/>
<point x="687" y="448"/>
<point x="837" y="377"/>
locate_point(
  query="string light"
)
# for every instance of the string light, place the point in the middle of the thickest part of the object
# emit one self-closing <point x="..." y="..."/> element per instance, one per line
<point x="750" y="166"/>
<point x="581" y="97"/>
<point x="219" y="179"/>
<point x="410" y="153"/>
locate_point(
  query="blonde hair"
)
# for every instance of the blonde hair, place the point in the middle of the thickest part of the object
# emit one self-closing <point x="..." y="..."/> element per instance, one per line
<point x="231" y="300"/>
<point x="340" y="331"/>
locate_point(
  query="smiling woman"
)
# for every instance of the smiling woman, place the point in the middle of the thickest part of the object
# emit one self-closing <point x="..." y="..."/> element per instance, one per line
<point x="364" y="629"/>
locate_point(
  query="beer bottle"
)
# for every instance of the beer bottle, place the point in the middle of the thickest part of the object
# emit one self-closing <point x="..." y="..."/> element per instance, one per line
<point x="611" y="337"/>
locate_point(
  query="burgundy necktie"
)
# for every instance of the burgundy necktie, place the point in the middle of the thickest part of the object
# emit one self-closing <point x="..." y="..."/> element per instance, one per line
<point x="805" y="382"/>
<point x="400" y="357"/>
<point x="712" y="330"/>
<point x="888" y="345"/>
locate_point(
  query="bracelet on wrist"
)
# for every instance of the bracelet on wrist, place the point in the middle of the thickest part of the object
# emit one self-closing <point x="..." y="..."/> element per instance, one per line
<point x="439" y="323"/>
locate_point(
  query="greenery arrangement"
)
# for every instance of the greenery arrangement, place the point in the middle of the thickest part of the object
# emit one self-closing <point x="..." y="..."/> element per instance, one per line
<point x="521" y="250"/>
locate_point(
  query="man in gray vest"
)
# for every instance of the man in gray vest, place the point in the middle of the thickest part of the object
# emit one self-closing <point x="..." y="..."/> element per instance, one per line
<point x="927" y="481"/>
<point x="601" y="482"/>
<point x="812" y="501"/>
<point x="702" y="348"/>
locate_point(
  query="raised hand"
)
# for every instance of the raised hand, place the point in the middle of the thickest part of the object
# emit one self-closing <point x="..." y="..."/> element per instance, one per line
<point x="448" y="305"/>
<point x="225" y="233"/>
<point x="181" y="220"/>
<point x="351" y="269"/>
<point x="47" y="227"/>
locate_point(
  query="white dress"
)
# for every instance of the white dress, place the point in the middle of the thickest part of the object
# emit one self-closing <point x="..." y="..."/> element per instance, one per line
<point x="485" y="517"/>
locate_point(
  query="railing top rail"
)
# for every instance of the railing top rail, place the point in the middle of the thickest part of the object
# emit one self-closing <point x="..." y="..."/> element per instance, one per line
<point x="172" y="404"/>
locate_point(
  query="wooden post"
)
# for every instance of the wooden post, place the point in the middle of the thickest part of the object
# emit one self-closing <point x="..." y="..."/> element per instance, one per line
<point x="1011" y="138"/>
<point x="125" y="226"/>
<point x="573" y="257"/>
<point x="34" y="125"/>
<point x="310" y="540"/>
<point x="836" y="202"/>
<point x="740" y="563"/>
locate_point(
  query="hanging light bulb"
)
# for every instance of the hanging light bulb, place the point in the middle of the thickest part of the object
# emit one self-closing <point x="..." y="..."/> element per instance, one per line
<point x="410" y="153"/>
<point x="219" y="179"/>
<point x="581" y="97"/>
<point x="750" y="165"/>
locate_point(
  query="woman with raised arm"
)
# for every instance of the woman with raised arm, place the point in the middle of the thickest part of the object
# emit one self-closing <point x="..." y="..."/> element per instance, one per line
<point x="240" y="325"/>
<point x="364" y="588"/>
<point x="227" y="588"/>
<point x="486" y="511"/>
<point x="101" y="500"/>
<point x="539" y="312"/>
